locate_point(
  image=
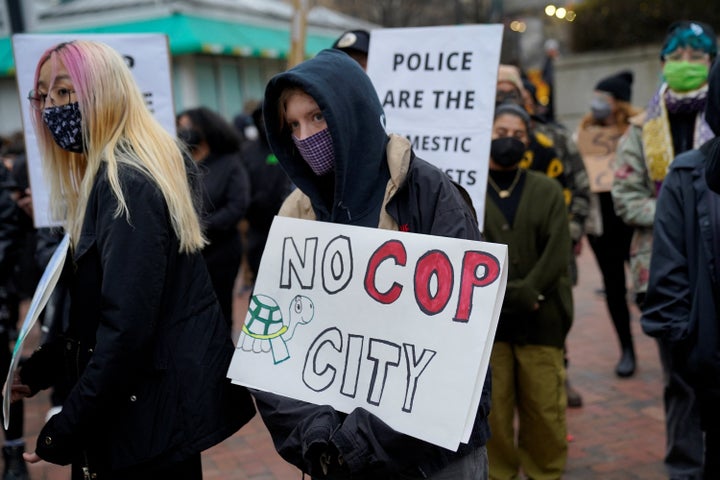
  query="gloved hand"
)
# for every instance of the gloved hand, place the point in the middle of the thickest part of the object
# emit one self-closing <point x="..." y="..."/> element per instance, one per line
<point x="325" y="461"/>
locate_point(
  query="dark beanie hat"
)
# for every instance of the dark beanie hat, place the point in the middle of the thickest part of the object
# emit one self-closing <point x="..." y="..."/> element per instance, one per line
<point x="618" y="85"/>
<point x="513" y="109"/>
<point x="353" y="40"/>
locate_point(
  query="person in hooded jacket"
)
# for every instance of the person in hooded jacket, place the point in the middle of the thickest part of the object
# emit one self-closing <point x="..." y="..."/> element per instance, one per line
<point x="681" y="306"/>
<point x="325" y="124"/>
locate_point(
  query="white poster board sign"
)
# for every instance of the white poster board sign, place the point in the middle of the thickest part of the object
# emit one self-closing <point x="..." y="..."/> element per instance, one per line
<point x="147" y="55"/>
<point x="400" y="324"/>
<point x="437" y="87"/>
<point x="597" y="146"/>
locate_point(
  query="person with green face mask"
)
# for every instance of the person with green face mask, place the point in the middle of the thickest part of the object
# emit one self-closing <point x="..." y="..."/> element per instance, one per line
<point x="673" y="123"/>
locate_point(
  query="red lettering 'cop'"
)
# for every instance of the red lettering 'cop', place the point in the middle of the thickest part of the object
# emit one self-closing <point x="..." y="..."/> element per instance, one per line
<point x="469" y="280"/>
<point x="392" y="249"/>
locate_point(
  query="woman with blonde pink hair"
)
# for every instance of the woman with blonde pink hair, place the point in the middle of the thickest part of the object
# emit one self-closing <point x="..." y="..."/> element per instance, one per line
<point x="146" y="348"/>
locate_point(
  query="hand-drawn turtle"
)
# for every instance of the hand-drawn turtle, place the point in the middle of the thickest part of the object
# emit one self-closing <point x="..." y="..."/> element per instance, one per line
<point x="266" y="329"/>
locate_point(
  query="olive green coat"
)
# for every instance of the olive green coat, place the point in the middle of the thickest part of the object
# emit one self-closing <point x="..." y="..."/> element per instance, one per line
<point x="538" y="249"/>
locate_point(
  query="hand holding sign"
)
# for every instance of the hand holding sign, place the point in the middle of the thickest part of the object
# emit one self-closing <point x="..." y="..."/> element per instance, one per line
<point x="387" y="321"/>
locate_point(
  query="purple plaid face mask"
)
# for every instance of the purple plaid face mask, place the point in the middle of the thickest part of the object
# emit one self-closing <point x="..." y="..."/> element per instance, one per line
<point x="317" y="150"/>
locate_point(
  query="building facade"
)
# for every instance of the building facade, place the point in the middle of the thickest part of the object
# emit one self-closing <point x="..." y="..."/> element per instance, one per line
<point x="223" y="52"/>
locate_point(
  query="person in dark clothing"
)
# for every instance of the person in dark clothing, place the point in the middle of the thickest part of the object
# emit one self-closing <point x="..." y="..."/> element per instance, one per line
<point x="147" y="349"/>
<point x="270" y="186"/>
<point x="11" y="246"/>
<point x="526" y="211"/>
<point x="27" y="273"/>
<point x="712" y="162"/>
<point x="325" y="124"/>
<point x="552" y="51"/>
<point x="553" y="152"/>
<point x="355" y="43"/>
<point x="673" y="123"/>
<point x="215" y="147"/>
<point x="608" y="235"/>
<point x="681" y="305"/>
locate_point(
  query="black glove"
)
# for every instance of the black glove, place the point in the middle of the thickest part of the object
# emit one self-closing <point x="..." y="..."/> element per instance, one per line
<point x="325" y="461"/>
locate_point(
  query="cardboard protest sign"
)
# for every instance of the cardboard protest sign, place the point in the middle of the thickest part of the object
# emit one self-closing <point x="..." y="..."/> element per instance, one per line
<point x="597" y="146"/>
<point x="44" y="289"/>
<point x="400" y="324"/>
<point x="437" y="87"/>
<point x="147" y="55"/>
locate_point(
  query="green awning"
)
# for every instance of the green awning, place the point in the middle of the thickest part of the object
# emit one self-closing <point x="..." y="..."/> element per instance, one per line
<point x="191" y="34"/>
<point x="7" y="62"/>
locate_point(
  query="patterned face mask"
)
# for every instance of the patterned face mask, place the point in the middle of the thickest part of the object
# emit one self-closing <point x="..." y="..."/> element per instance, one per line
<point x="65" y="125"/>
<point x="317" y="151"/>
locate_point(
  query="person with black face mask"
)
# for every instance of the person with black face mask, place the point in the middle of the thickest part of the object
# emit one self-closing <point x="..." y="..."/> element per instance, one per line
<point x="215" y="147"/>
<point x="526" y="211"/>
<point x="552" y="152"/>
<point x="609" y="237"/>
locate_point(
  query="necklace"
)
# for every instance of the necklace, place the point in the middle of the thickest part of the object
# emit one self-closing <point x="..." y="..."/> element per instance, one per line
<point x="508" y="191"/>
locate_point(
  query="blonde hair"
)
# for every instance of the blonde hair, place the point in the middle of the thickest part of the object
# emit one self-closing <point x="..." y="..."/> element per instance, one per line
<point x="117" y="128"/>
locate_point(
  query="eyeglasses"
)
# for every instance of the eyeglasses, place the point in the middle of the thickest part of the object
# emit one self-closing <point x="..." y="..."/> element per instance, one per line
<point x="690" y="55"/>
<point x="58" y="96"/>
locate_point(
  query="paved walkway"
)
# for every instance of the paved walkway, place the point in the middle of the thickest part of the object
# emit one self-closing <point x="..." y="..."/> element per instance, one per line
<point x="617" y="435"/>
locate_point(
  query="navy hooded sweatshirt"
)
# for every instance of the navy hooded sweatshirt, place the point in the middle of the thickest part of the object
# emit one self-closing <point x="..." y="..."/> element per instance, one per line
<point x="359" y="139"/>
<point x="353" y="193"/>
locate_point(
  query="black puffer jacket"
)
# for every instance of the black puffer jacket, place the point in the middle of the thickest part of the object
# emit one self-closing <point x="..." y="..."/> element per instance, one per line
<point x="147" y="346"/>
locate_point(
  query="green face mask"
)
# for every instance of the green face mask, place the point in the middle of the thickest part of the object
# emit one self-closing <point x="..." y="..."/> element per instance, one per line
<point x="684" y="76"/>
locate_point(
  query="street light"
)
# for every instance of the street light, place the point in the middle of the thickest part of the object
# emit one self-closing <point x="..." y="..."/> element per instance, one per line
<point x="518" y="26"/>
<point x="560" y="13"/>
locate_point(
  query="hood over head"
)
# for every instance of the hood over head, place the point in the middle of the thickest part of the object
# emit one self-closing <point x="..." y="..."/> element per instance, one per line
<point x="356" y="123"/>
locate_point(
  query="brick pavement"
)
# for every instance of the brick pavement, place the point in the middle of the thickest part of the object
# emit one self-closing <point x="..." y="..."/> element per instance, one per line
<point x="617" y="435"/>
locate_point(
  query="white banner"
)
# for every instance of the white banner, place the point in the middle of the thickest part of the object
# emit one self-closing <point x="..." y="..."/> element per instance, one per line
<point x="437" y="86"/>
<point x="147" y="55"/>
<point x="400" y="324"/>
